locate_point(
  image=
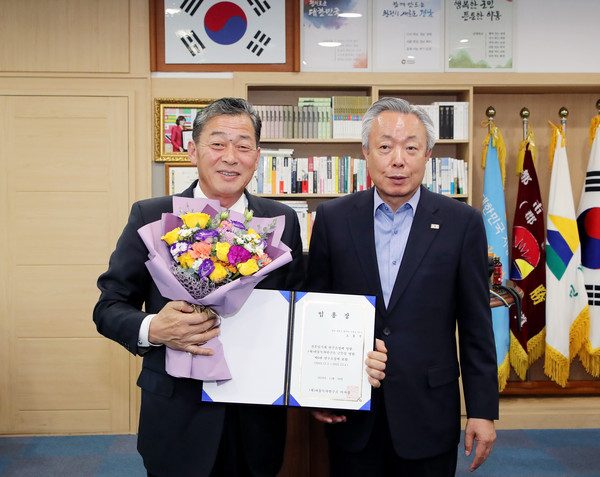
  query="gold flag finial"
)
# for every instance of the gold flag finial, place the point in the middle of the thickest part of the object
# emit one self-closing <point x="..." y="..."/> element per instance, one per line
<point x="527" y="142"/>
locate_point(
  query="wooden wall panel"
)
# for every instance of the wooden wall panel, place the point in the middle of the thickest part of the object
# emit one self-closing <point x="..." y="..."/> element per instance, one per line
<point x="63" y="36"/>
<point x="67" y="200"/>
<point x="69" y="316"/>
<point x="5" y="342"/>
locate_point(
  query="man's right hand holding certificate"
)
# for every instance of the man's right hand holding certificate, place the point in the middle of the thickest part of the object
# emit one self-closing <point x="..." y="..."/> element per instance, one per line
<point x="375" y="369"/>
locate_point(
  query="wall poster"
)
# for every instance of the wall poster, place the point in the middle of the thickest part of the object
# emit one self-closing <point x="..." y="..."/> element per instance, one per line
<point x="479" y="35"/>
<point x="408" y="36"/>
<point x="335" y="35"/>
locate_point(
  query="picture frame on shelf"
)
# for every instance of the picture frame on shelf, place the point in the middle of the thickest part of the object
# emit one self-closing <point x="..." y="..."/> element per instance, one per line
<point x="179" y="176"/>
<point x="166" y="113"/>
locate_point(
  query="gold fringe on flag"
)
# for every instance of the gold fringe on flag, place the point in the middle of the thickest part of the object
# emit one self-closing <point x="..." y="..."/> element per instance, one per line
<point x="579" y="332"/>
<point x="518" y="357"/>
<point x="590" y="358"/>
<point x="529" y="139"/>
<point x="555" y="132"/>
<point x="593" y="128"/>
<point x="498" y="143"/>
<point x="535" y="346"/>
<point x="503" y="373"/>
<point x="556" y="366"/>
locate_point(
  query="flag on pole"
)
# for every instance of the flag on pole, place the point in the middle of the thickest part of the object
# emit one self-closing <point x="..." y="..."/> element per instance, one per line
<point x="528" y="265"/>
<point x="494" y="215"/>
<point x="588" y="220"/>
<point x="567" y="312"/>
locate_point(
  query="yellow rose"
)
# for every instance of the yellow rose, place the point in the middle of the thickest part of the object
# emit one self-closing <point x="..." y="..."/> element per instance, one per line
<point x="248" y="268"/>
<point x="222" y="251"/>
<point x="171" y="237"/>
<point x="218" y="274"/>
<point x="195" y="219"/>
<point x="185" y="260"/>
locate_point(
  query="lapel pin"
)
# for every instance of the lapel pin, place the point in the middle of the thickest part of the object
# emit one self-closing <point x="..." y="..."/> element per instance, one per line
<point x="435" y="226"/>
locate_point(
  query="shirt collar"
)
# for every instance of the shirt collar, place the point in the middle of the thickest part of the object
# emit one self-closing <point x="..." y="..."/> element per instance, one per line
<point x="412" y="202"/>
<point x="240" y="206"/>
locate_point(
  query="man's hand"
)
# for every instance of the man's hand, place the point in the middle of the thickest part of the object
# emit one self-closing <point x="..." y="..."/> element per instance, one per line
<point x="481" y="430"/>
<point x="328" y="417"/>
<point x="179" y="327"/>
<point x="376" y="363"/>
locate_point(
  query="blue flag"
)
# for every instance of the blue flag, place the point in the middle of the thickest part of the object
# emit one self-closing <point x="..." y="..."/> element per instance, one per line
<point x="494" y="215"/>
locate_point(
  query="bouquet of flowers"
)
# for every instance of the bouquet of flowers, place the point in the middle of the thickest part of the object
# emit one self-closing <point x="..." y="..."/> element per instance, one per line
<point x="207" y="257"/>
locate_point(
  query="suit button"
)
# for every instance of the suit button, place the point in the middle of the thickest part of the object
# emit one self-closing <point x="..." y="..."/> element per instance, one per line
<point x="387" y="331"/>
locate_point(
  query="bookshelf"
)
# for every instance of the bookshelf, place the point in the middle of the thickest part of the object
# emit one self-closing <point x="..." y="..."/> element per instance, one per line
<point x="303" y="86"/>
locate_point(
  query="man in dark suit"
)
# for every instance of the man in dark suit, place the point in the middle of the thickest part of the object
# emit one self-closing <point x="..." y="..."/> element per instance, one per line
<point x="178" y="434"/>
<point x="424" y="256"/>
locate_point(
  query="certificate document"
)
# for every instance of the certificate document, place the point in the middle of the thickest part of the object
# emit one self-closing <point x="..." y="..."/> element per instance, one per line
<point x="298" y="349"/>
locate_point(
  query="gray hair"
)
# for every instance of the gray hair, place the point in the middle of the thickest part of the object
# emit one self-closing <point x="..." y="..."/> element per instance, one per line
<point x="229" y="107"/>
<point x="400" y="106"/>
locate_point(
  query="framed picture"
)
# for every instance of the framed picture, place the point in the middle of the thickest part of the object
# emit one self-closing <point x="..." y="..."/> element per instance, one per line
<point x="173" y="120"/>
<point x="179" y="176"/>
<point x="211" y="35"/>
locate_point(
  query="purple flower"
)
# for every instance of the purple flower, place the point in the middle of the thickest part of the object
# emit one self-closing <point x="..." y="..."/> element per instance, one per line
<point x="179" y="248"/>
<point x="203" y="235"/>
<point x="206" y="268"/>
<point x="238" y="254"/>
<point x="238" y="225"/>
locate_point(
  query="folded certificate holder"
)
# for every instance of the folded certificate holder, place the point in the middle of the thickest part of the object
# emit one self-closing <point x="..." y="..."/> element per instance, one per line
<point x="297" y="349"/>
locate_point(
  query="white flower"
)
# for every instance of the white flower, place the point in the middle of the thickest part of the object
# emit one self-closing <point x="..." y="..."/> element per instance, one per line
<point x="186" y="233"/>
<point x="196" y="265"/>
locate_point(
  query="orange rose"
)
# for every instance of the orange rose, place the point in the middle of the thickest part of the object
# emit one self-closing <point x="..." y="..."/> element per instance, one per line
<point x="200" y="250"/>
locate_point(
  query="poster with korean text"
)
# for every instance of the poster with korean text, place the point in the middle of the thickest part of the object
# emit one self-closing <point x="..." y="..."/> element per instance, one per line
<point x="479" y="35"/>
<point x="408" y="36"/>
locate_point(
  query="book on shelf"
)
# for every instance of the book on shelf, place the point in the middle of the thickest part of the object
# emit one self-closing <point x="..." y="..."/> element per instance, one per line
<point x="446" y="175"/>
<point x="283" y="174"/>
<point x="348" y="112"/>
<point x="450" y="119"/>
<point x="338" y="117"/>
<point x="315" y="112"/>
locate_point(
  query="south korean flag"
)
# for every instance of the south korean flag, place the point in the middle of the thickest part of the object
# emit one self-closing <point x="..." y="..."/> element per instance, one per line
<point x="588" y="221"/>
<point x="213" y="31"/>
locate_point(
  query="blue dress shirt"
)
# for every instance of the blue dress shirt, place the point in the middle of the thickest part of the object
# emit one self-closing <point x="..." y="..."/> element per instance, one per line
<point x="391" y="235"/>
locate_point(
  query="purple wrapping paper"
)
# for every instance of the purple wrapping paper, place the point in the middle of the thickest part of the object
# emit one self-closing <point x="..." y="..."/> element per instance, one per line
<point x="225" y="300"/>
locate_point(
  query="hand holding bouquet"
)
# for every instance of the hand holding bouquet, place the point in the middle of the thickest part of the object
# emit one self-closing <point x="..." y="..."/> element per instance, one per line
<point x="204" y="256"/>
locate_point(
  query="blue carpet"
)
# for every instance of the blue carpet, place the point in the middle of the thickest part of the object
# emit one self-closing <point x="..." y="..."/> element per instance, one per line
<point x="539" y="453"/>
<point x="70" y="456"/>
<point x="527" y="453"/>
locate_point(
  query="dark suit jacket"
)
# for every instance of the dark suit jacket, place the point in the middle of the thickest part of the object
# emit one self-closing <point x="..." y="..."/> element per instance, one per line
<point x="442" y="282"/>
<point x="179" y="434"/>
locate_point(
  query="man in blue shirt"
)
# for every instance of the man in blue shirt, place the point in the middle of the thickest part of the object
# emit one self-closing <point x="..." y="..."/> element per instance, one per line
<point x="424" y="256"/>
